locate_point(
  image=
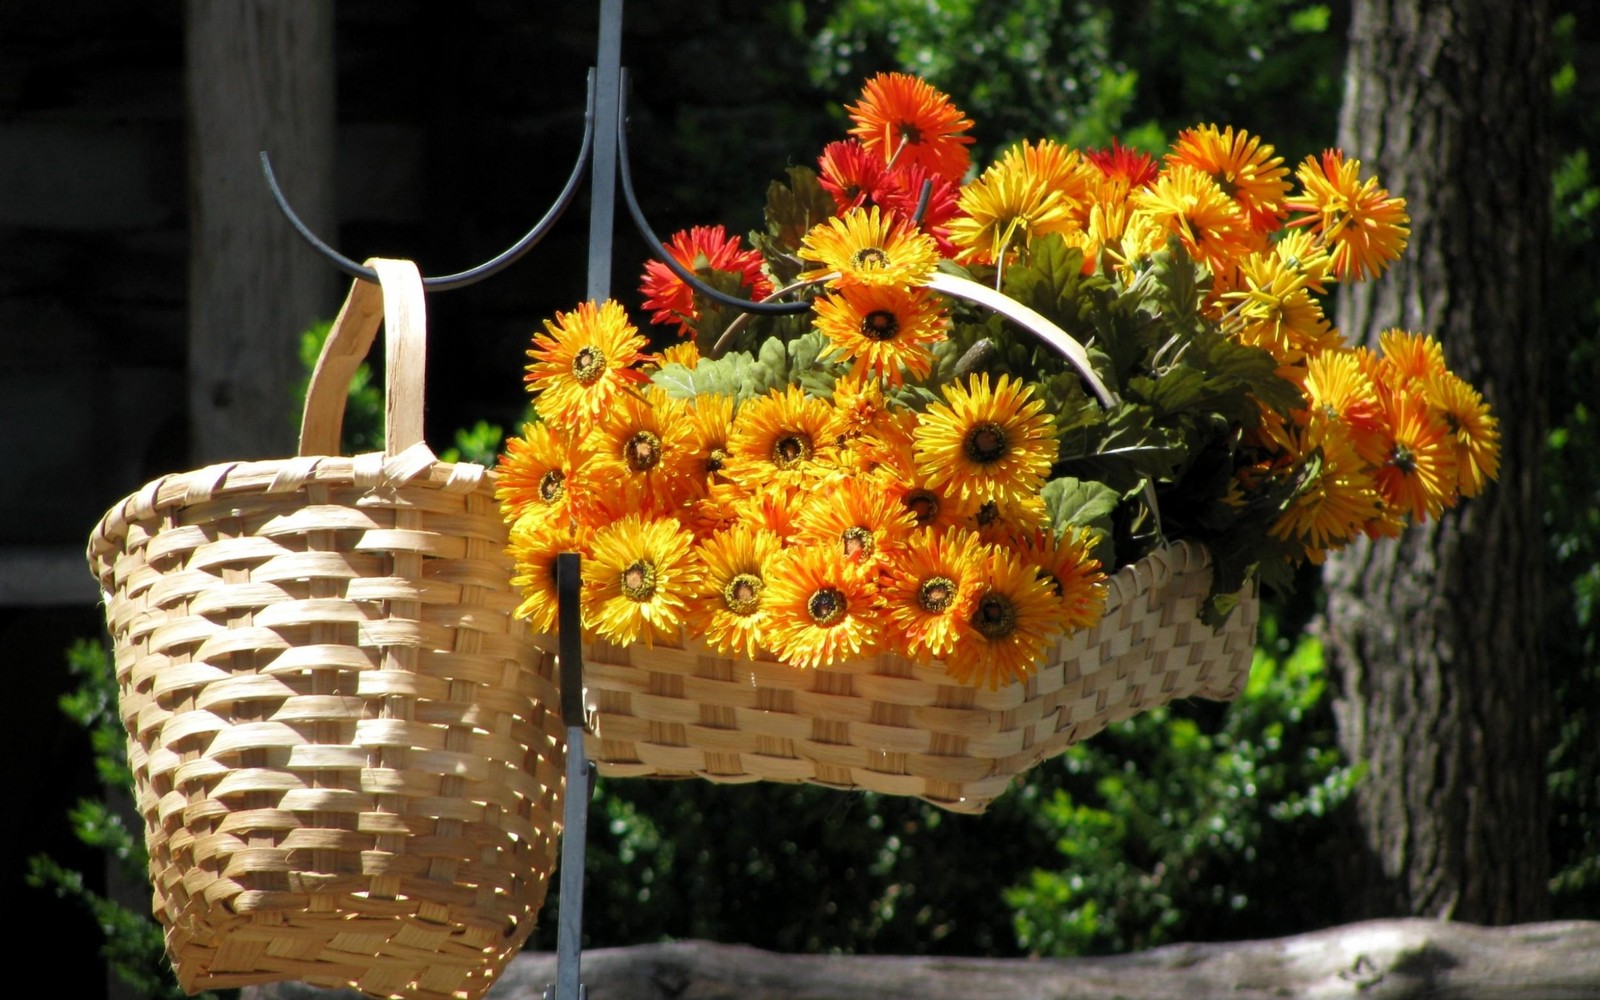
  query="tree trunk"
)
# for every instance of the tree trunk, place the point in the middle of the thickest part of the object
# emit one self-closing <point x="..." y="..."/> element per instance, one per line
<point x="1381" y="960"/>
<point x="1435" y="641"/>
<point x="259" y="77"/>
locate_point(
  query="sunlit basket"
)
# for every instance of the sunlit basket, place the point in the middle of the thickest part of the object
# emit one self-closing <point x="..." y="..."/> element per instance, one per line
<point x="347" y="751"/>
<point x="886" y="724"/>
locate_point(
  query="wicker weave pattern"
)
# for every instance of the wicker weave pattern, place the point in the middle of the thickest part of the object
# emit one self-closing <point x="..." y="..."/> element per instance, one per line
<point x="886" y="724"/>
<point x="346" y="748"/>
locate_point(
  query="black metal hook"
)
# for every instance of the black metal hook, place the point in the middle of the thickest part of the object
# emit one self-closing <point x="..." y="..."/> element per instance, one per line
<point x="460" y="279"/>
<point x="659" y="248"/>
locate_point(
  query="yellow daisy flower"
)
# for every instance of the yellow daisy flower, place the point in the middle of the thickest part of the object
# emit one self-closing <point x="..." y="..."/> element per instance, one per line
<point x="639" y="580"/>
<point x="642" y="456"/>
<point x="884" y="331"/>
<point x="821" y="611"/>
<point x="1338" y="501"/>
<point x="929" y="590"/>
<point x="583" y="362"/>
<point x="1476" y="432"/>
<point x="1188" y="203"/>
<point x="994" y="443"/>
<point x="857" y="518"/>
<point x="734" y="567"/>
<point x="784" y="437"/>
<point x="532" y="474"/>
<point x="1012" y="626"/>
<point x="865" y="246"/>
<point x="1005" y="208"/>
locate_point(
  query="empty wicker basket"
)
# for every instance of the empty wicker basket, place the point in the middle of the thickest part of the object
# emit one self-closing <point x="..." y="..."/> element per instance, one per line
<point x="889" y="725"/>
<point x="347" y="751"/>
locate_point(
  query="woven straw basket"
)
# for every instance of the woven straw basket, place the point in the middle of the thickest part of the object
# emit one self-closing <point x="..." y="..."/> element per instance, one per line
<point x="347" y="751"/>
<point x="886" y="724"/>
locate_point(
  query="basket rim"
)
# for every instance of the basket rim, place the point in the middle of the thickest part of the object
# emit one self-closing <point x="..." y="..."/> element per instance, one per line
<point x="415" y="468"/>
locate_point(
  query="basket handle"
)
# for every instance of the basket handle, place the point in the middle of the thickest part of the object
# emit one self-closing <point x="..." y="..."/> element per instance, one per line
<point x="396" y="303"/>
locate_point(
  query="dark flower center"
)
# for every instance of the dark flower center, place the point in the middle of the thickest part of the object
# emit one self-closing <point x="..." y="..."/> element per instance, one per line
<point x="1403" y="459"/>
<point x="643" y="451"/>
<point x="869" y="259"/>
<point x="856" y="542"/>
<point x="995" y="617"/>
<point x="923" y="504"/>
<point x="986" y="443"/>
<point x="588" y="365"/>
<point x="639" y="581"/>
<point x="552" y="486"/>
<point x="880" y="324"/>
<point x="909" y="132"/>
<point x="936" y="594"/>
<point x="827" y="606"/>
<point x="987" y="514"/>
<point x="791" y="449"/>
<point x="716" y="460"/>
<point x="742" y="594"/>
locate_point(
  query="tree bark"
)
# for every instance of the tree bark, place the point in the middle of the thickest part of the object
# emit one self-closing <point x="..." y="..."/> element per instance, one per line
<point x="259" y="76"/>
<point x="1435" y="641"/>
<point x="1380" y="960"/>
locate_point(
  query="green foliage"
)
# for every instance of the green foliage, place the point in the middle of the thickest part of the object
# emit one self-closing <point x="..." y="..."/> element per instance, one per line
<point x="1572" y="509"/>
<point x="1086" y="70"/>
<point x="479" y="444"/>
<point x="133" y="947"/>
<point x="1171" y="829"/>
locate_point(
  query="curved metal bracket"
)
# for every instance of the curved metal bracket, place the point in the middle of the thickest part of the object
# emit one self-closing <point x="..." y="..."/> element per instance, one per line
<point x="659" y="248"/>
<point x="460" y="279"/>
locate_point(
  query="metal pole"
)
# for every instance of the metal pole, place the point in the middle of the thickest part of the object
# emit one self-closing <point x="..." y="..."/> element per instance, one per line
<point x="603" y="179"/>
<point x="575" y="808"/>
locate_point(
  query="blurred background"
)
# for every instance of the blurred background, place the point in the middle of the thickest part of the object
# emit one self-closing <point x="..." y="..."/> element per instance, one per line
<point x="152" y="305"/>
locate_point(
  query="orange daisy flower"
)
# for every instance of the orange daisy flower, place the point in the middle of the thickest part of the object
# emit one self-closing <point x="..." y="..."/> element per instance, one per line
<point x="1012" y="625"/>
<point x="1363" y="225"/>
<point x="857" y="518"/>
<point x="1075" y="576"/>
<point x="885" y="331"/>
<point x="642" y="457"/>
<point x="734" y="568"/>
<point x="821" y="611"/>
<point x="929" y="590"/>
<point x="1185" y="201"/>
<point x="583" y="362"/>
<point x="1419" y="475"/>
<point x="784" y="437"/>
<point x="532" y="473"/>
<point x="1244" y="167"/>
<point x="902" y="118"/>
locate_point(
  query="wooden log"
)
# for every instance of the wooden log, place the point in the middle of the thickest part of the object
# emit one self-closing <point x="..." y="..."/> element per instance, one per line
<point x="1407" y="959"/>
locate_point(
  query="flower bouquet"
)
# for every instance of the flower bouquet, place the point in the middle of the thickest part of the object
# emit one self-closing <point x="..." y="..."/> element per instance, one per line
<point x="1010" y="466"/>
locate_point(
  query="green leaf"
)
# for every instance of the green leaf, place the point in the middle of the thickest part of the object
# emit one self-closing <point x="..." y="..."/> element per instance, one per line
<point x="1082" y="503"/>
<point x="793" y="208"/>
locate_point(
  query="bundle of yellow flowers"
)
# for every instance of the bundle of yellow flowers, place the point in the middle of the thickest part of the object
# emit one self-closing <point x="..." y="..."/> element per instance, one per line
<point x="1003" y="384"/>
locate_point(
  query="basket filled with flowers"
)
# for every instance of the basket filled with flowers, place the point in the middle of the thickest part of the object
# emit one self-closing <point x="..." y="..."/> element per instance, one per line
<point x="1014" y="465"/>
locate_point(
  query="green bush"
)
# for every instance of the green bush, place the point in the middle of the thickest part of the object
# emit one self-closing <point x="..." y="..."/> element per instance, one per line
<point x="1174" y="827"/>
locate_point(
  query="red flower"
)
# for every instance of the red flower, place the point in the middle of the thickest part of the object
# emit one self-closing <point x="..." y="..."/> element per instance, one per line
<point x="700" y="248"/>
<point x="1119" y="163"/>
